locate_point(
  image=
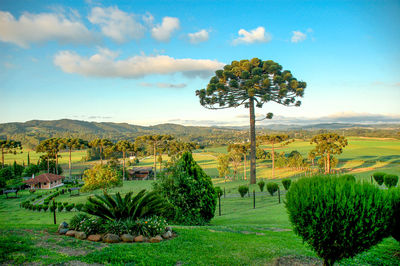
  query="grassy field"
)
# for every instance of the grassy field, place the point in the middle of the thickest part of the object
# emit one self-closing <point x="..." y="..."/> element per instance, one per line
<point x="241" y="235"/>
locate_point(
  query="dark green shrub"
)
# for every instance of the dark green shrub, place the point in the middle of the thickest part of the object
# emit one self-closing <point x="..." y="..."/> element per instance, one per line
<point x="261" y="185"/>
<point x="69" y="207"/>
<point x="378" y="176"/>
<point x="60" y="208"/>
<point x="219" y="191"/>
<point x="93" y="225"/>
<point x="65" y="204"/>
<point x="116" y="227"/>
<point x="338" y="219"/>
<point x="348" y="177"/>
<point x="396" y="213"/>
<point x="79" y="206"/>
<point x="243" y="190"/>
<point x="188" y="191"/>
<point x="45" y="207"/>
<point x="53" y="208"/>
<point x="150" y="226"/>
<point x="286" y="183"/>
<point x="272" y="188"/>
<point x="390" y="180"/>
<point x="75" y="221"/>
<point x="116" y="208"/>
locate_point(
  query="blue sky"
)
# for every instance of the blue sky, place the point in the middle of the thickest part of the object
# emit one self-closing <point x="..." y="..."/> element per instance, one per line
<point x="141" y="61"/>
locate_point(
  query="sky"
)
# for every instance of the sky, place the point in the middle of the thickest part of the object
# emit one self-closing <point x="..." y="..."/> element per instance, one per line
<point x="140" y="62"/>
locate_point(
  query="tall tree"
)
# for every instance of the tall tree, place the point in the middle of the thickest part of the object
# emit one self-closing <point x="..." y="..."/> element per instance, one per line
<point x="124" y="146"/>
<point x="101" y="144"/>
<point x="273" y="140"/>
<point x="176" y="148"/>
<point x="73" y="144"/>
<point x="243" y="149"/>
<point x="9" y="146"/>
<point x="251" y="83"/>
<point x="326" y="145"/>
<point x="223" y="165"/>
<point x="156" y="142"/>
<point x="51" y="147"/>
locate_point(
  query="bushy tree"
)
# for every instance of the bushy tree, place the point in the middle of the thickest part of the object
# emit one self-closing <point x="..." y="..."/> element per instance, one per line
<point x="30" y="170"/>
<point x="337" y="218"/>
<point x="102" y="144"/>
<point x="101" y="177"/>
<point x="73" y="144"/>
<point x="189" y="191"/>
<point x="9" y="146"/>
<point x="223" y="165"/>
<point x="243" y="150"/>
<point x="251" y="83"/>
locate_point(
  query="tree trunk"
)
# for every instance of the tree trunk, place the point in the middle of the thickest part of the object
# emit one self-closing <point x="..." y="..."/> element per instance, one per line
<point x="155" y="161"/>
<point x="245" y="177"/>
<point x="70" y="151"/>
<point x="253" y="179"/>
<point x="273" y="161"/>
<point x="328" y="161"/>
<point x="123" y="165"/>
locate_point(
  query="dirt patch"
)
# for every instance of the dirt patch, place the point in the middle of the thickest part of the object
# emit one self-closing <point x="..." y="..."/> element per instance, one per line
<point x="275" y="229"/>
<point x="296" y="261"/>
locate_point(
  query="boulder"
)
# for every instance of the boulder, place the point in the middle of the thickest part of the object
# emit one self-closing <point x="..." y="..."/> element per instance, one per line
<point x="156" y="239"/>
<point x="80" y="235"/>
<point x="63" y="231"/>
<point x="140" y="239"/>
<point x="94" y="238"/>
<point x="62" y="225"/>
<point x="167" y="235"/>
<point x="70" y="233"/>
<point x="111" y="238"/>
<point x="127" y="238"/>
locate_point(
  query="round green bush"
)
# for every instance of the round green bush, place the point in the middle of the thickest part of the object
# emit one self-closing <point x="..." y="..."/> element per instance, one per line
<point x="69" y="207"/>
<point x="45" y="207"/>
<point x="261" y="185"/>
<point x="219" y="191"/>
<point x="286" y="183"/>
<point x="243" y="190"/>
<point x="337" y="218"/>
<point x="390" y="180"/>
<point x="76" y="220"/>
<point x="65" y="204"/>
<point x="272" y="188"/>
<point x="79" y="206"/>
<point x="60" y="208"/>
<point x="378" y="176"/>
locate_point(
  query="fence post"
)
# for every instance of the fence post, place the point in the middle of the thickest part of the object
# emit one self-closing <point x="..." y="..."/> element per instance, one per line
<point x="224" y="192"/>
<point x="248" y="192"/>
<point x="219" y="204"/>
<point x="279" y="195"/>
<point x="254" y="198"/>
<point x="54" y="211"/>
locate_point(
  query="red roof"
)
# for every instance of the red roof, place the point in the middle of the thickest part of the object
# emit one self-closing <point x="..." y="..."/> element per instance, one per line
<point x="44" y="178"/>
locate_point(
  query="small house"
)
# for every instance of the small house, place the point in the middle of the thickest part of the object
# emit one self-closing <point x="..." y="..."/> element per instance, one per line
<point x="45" y="181"/>
<point x="141" y="173"/>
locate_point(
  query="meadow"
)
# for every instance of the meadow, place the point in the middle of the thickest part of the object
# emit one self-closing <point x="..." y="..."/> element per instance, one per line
<point x="242" y="235"/>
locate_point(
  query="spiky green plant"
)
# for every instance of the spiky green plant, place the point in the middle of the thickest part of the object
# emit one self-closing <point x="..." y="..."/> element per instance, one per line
<point x="144" y="204"/>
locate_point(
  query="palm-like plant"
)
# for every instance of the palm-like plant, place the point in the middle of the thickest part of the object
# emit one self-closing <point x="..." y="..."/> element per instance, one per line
<point x="144" y="204"/>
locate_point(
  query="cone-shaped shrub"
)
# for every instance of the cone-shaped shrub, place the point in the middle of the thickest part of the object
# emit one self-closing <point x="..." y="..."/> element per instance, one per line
<point x="219" y="191"/>
<point x="261" y="184"/>
<point x="390" y="180"/>
<point x="243" y="190"/>
<point x="378" y="176"/>
<point x="337" y="218"/>
<point x="286" y="183"/>
<point x="272" y="188"/>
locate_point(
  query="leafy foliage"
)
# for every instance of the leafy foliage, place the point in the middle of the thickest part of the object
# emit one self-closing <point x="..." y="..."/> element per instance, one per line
<point x="286" y="183"/>
<point x="261" y="185"/>
<point x="243" y="190"/>
<point x="348" y="177"/>
<point x="390" y="180"/>
<point x="223" y="165"/>
<point x="272" y="188"/>
<point x="395" y="192"/>
<point x="101" y="177"/>
<point x="337" y="218"/>
<point x="189" y="191"/>
<point x="219" y="191"/>
<point x="116" y="207"/>
<point x="378" y="176"/>
<point x="75" y="221"/>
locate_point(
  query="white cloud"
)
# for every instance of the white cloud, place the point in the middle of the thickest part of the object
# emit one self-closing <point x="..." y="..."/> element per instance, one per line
<point x="106" y="64"/>
<point x="163" y="85"/>
<point x="298" y="36"/>
<point x="116" y="24"/>
<point x="255" y="35"/>
<point x="38" y="28"/>
<point x="198" y="37"/>
<point x="164" y="31"/>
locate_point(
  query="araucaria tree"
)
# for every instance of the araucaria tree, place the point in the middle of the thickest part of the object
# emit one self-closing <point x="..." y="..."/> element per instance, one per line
<point x="327" y="145"/>
<point x="273" y="140"/>
<point x="9" y="146"/>
<point x="101" y="144"/>
<point x="251" y="83"/>
<point x="51" y="147"/>
<point x="73" y="144"/>
<point x="124" y="146"/>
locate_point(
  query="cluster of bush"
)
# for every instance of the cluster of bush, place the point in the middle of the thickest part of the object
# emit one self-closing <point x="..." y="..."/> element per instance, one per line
<point x="339" y="217"/>
<point x="272" y="187"/>
<point x="388" y="179"/>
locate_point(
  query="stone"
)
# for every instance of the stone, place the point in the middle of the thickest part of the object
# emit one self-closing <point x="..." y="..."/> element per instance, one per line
<point x="62" y="225"/>
<point x="63" y="231"/>
<point x="127" y="238"/>
<point x="111" y="238"/>
<point x="169" y="228"/>
<point x="140" y="239"/>
<point x="80" y="235"/>
<point x="156" y="239"/>
<point x="94" y="238"/>
<point x="70" y="233"/>
<point x="167" y="235"/>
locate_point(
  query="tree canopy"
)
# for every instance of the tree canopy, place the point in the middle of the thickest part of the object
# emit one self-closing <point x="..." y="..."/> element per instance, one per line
<point x="9" y="146"/>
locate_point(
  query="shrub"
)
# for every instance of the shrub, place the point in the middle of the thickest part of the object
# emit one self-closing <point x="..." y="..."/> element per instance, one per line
<point x="243" y="190"/>
<point x="219" y="191"/>
<point x="69" y="207"/>
<point x="53" y="208"/>
<point x="272" y="188"/>
<point x="348" y="177"/>
<point x="338" y="219"/>
<point x="116" y="208"/>
<point x="79" y="206"/>
<point x="390" y="180"/>
<point x="76" y="220"/>
<point x="92" y="225"/>
<point x="116" y="227"/>
<point x="286" y="183"/>
<point x="378" y="176"/>
<point x="45" y="207"/>
<point x="189" y="192"/>
<point x="261" y="184"/>
<point x="396" y="213"/>
<point x="65" y="204"/>
<point x="150" y="226"/>
<point x="60" y="208"/>
<point x="101" y="176"/>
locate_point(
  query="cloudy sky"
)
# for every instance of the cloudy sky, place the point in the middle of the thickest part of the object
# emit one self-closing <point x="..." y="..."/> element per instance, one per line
<point x="141" y="61"/>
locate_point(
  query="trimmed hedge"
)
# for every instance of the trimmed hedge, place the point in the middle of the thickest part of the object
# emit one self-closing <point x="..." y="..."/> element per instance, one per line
<point x="286" y="183"/>
<point x="378" y="176"/>
<point x="243" y="190"/>
<point x="261" y="185"/>
<point x="272" y="188"/>
<point x="390" y="180"/>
